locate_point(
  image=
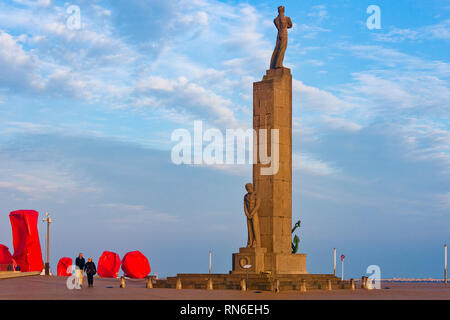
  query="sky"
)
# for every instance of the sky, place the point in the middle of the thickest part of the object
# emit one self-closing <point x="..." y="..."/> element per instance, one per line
<point x="86" y="116"/>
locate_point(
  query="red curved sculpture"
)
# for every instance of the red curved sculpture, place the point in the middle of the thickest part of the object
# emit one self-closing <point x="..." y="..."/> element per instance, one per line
<point x="135" y="265"/>
<point x="6" y="260"/>
<point x="27" y="248"/>
<point x="63" y="266"/>
<point x="108" y="265"/>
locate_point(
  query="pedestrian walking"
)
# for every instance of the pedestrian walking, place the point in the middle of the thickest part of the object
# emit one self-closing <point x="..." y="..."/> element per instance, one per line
<point x="90" y="270"/>
<point x="80" y="263"/>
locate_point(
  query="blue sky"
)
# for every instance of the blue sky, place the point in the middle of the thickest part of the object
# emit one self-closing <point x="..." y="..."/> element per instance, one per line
<point x="86" y="117"/>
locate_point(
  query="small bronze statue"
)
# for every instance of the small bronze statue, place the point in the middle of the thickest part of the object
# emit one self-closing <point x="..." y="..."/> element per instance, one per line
<point x="251" y="206"/>
<point x="282" y="23"/>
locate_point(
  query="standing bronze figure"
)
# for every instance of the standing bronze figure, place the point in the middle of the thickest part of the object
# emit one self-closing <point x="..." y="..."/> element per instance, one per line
<point x="251" y="206"/>
<point x="282" y="23"/>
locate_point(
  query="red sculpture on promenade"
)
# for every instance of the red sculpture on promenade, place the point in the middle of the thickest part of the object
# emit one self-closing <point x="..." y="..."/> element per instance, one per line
<point x="63" y="265"/>
<point x="108" y="265"/>
<point x="27" y="248"/>
<point x="135" y="265"/>
<point x="6" y="260"/>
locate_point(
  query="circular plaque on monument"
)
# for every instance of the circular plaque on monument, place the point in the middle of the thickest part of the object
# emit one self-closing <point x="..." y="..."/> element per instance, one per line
<point x="243" y="262"/>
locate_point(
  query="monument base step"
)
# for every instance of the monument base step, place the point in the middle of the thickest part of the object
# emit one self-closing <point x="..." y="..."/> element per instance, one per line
<point x="262" y="282"/>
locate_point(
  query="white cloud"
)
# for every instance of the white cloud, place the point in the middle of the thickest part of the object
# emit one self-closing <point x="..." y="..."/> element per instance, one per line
<point x="427" y="141"/>
<point x="131" y="214"/>
<point x="399" y="83"/>
<point x="444" y="201"/>
<point x="197" y="18"/>
<point x="250" y="49"/>
<point x="101" y="11"/>
<point x="316" y="99"/>
<point x="94" y="63"/>
<point x="385" y="56"/>
<point x="397" y="35"/>
<point x="311" y="31"/>
<point x="319" y="12"/>
<point x="19" y="68"/>
<point x="58" y="61"/>
<point x="439" y="31"/>
<point x="391" y="92"/>
<point x="34" y="181"/>
<point x="65" y="82"/>
<point x="187" y="96"/>
<point x="35" y="3"/>
<point x="309" y="164"/>
<point x="314" y="62"/>
<point x="29" y="127"/>
<point x="342" y="124"/>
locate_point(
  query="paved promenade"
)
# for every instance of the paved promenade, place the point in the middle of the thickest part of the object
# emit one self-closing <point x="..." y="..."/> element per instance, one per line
<point x="54" y="288"/>
<point x="7" y="275"/>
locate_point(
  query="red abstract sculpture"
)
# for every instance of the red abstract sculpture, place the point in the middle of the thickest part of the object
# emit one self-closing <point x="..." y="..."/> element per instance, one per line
<point x="108" y="265"/>
<point x="135" y="265"/>
<point x="6" y="260"/>
<point x="63" y="265"/>
<point x="27" y="248"/>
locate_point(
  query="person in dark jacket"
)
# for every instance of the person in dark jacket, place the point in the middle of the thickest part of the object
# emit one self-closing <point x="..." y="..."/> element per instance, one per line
<point x="90" y="270"/>
<point x="80" y="263"/>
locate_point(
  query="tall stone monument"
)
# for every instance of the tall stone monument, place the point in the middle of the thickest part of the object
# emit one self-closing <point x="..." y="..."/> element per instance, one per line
<point x="267" y="206"/>
<point x="271" y="194"/>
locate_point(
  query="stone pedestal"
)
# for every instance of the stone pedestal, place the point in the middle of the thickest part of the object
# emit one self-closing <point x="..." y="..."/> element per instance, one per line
<point x="264" y="262"/>
<point x="249" y="256"/>
<point x="285" y="263"/>
<point x="272" y="109"/>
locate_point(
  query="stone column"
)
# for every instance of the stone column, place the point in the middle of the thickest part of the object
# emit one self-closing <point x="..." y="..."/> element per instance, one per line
<point x="272" y="109"/>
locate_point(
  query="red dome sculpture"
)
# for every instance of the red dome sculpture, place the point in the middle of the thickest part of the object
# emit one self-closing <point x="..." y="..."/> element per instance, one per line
<point x="135" y="265"/>
<point x="108" y="265"/>
<point x="6" y="260"/>
<point x="65" y="264"/>
<point x="27" y="248"/>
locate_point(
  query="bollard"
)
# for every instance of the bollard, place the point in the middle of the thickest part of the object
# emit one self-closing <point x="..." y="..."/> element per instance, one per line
<point x="369" y="284"/>
<point x="303" y="285"/>
<point x="122" y="282"/>
<point x="178" y="285"/>
<point x="363" y="282"/>
<point x="209" y="284"/>
<point x="276" y="286"/>
<point x="243" y="285"/>
<point x="329" y="288"/>
<point x="352" y="284"/>
<point x="149" y="284"/>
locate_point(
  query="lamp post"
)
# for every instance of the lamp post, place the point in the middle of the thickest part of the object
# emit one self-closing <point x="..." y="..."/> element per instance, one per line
<point x="342" y="259"/>
<point x="246" y="267"/>
<point x="210" y="254"/>
<point x="47" y="251"/>
<point x="334" y="261"/>
<point x="445" y="263"/>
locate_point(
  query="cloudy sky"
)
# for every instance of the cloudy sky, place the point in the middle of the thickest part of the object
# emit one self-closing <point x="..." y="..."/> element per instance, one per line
<point x="86" y="117"/>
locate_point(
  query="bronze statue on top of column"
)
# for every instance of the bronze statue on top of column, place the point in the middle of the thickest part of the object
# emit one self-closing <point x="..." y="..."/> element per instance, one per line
<point x="282" y="23"/>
